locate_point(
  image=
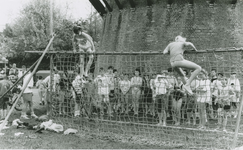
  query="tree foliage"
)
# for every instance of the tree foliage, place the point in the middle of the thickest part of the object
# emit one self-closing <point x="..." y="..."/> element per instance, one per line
<point x="31" y="30"/>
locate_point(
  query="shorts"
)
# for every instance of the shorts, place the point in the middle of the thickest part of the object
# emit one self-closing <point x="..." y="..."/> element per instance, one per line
<point x="112" y="94"/>
<point x="27" y="97"/>
<point x="3" y="102"/>
<point x="227" y="108"/>
<point x="162" y="102"/>
<point x="178" y="57"/>
<point x="178" y="94"/>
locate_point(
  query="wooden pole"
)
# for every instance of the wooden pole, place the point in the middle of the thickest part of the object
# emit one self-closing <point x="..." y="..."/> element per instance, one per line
<point x="237" y="125"/>
<point x="51" y="21"/>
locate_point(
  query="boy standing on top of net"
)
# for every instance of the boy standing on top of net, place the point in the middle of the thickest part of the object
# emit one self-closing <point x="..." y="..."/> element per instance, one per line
<point x="83" y="42"/>
<point x="176" y="50"/>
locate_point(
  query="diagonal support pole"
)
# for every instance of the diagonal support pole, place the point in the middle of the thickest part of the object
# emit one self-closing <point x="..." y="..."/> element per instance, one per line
<point x="32" y="73"/>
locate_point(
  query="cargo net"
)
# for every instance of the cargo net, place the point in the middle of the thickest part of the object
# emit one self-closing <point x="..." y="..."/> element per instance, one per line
<point x="129" y="110"/>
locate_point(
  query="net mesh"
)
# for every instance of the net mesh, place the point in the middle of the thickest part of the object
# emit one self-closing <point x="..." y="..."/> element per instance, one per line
<point x="143" y="128"/>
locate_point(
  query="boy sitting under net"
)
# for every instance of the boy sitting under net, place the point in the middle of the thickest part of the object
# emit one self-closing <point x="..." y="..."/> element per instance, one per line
<point x="78" y="95"/>
<point x="83" y="42"/>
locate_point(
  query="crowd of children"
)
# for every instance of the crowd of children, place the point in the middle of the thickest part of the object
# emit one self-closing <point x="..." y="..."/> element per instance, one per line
<point x="159" y="95"/>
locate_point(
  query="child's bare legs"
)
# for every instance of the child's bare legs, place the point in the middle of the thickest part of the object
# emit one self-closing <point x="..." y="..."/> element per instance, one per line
<point x="177" y="65"/>
<point x="225" y="121"/>
<point x="107" y="102"/>
<point x="100" y="104"/>
<point x="61" y="100"/>
<point x="136" y="95"/>
<point x="177" y="111"/>
<point x="126" y="103"/>
<point x="81" y="62"/>
<point x="91" y="58"/>
<point x="1" y="114"/>
<point x="77" y="105"/>
<point x="3" y="109"/>
<point x="202" y="114"/>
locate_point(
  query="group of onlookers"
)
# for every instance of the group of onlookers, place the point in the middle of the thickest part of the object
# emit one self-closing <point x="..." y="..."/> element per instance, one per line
<point x="159" y="94"/>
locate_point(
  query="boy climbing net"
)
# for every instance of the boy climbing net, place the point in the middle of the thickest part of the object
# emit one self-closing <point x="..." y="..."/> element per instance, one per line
<point x="83" y="42"/>
<point x="176" y="50"/>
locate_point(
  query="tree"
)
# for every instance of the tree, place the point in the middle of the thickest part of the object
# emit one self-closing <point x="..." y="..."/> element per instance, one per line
<point x="31" y="30"/>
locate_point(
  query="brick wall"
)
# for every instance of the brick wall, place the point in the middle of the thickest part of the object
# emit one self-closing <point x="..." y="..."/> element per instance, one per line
<point x="152" y="28"/>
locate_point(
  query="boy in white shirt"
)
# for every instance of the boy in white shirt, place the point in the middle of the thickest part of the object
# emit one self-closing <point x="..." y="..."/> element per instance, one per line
<point x="161" y="86"/>
<point x="102" y="83"/>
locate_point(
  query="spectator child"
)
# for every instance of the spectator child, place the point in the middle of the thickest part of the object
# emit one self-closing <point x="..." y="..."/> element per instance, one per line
<point x="178" y="95"/>
<point x="136" y="83"/>
<point x="161" y="85"/>
<point x="203" y="91"/>
<point x="124" y="85"/>
<point x="152" y="86"/>
<point x="224" y="102"/>
<point x="41" y="90"/>
<point x="147" y="94"/>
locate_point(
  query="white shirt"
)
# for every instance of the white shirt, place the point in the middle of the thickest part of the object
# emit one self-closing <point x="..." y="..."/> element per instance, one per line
<point x="215" y="87"/>
<point x="204" y="94"/>
<point x="102" y="84"/>
<point x="111" y="80"/>
<point x="236" y="83"/>
<point x="29" y="85"/>
<point x="160" y="86"/>
<point x="224" y="94"/>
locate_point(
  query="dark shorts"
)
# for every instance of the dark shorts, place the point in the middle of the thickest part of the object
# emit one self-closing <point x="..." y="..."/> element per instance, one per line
<point x="227" y="107"/>
<point x="112" y="94"/>
<point x="3" y="102"/>
<point x="233" y="104"/>
<point x="178" y="94"/>
<point x="162" y="102"/>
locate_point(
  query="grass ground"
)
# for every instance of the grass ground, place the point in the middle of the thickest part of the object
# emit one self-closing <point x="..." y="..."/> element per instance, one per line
<point x="52" y="140"/>
<point x="116" y="139"/>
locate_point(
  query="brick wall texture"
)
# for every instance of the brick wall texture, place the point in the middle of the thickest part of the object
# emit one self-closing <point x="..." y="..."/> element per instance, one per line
<point x="152" y="28"/>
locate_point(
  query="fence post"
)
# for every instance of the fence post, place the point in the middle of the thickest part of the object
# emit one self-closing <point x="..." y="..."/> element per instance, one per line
<point x="237" y="125"/>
